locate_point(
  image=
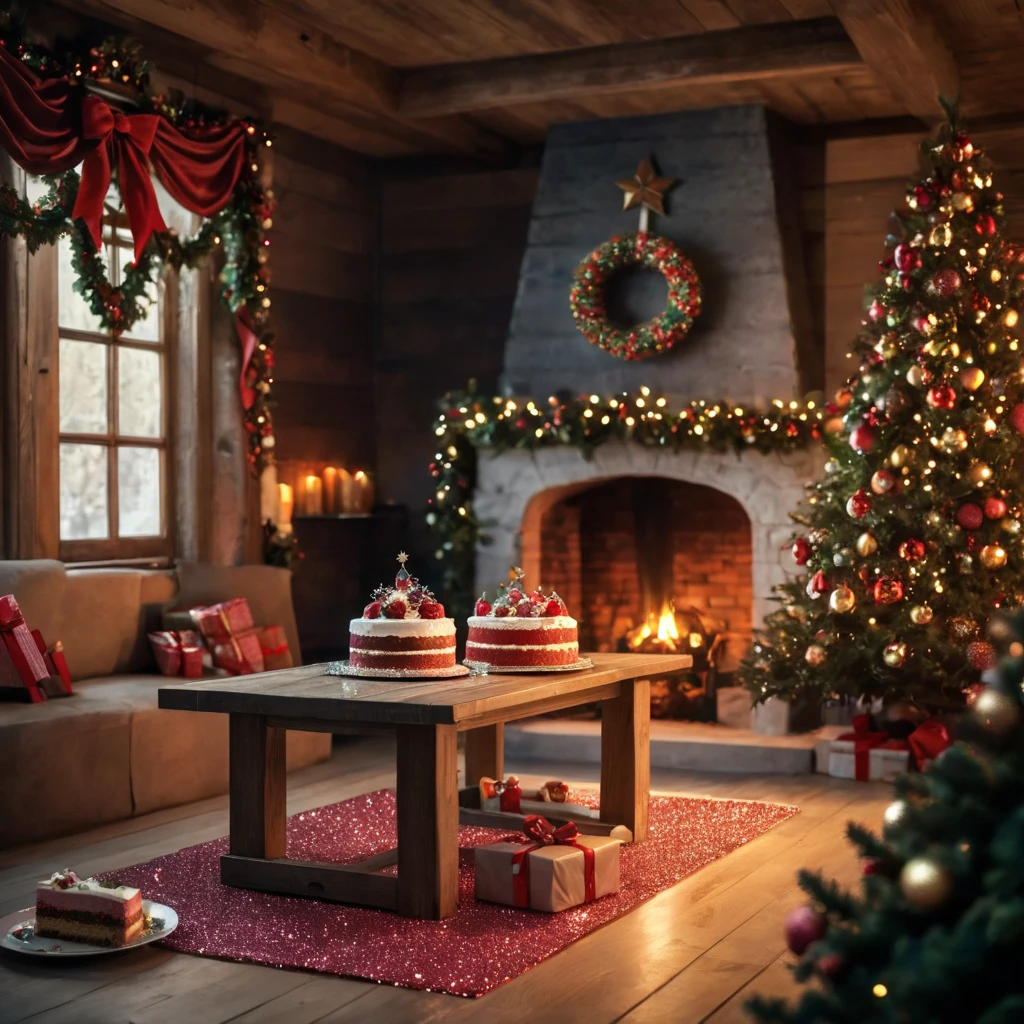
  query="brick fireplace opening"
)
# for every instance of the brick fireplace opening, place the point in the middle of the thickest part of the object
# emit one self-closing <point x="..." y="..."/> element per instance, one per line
<point x="623" y="552"/>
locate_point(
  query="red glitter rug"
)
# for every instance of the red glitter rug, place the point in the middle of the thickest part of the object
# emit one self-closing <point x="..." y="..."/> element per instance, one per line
<point x="479" y="948"/>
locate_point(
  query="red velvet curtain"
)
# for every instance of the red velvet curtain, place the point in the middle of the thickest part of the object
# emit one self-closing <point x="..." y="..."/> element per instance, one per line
<point x="48" y="126"/>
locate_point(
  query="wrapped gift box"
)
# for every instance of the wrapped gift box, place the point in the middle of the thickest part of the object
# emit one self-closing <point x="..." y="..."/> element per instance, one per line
<point x="178" y="653"/>
<point x="22" y="667"/>
<point x="219" y="622"/>
<point x="549" y="876"/>
<point x="239" y="654"/>
<point x="883" y="764"/>
<point x="274" y="645"/>
<point x="59" y="682"/>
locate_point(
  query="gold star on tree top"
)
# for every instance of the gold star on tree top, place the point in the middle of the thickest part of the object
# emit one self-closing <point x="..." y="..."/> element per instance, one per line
<point x="645" y="188"/>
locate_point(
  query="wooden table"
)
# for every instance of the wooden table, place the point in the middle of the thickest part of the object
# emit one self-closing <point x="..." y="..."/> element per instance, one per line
<point x="426" y="717"/>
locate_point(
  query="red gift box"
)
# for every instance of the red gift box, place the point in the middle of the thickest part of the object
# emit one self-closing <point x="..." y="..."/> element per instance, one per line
<point x="56" y="665"/>
<point x="219" y="622"/>
<point x="178" y="654"/>
<point x="274" y="645"/>
<point x="22" y="667"/>
<point x="239" y="654"/>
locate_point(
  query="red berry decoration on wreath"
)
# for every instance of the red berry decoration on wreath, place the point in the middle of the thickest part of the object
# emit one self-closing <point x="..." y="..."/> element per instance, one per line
<point x="970" y="516"/>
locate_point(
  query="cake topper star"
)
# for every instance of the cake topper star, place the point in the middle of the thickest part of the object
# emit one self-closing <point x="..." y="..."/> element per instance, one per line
<point x="645" y="188"/>
<point x="402" y="558"/>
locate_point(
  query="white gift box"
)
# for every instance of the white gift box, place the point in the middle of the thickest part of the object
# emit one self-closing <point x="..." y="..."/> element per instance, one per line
<point x="883" y="764"/>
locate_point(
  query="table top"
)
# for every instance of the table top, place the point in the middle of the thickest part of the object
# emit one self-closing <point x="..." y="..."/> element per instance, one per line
<point x="312" y="694"/>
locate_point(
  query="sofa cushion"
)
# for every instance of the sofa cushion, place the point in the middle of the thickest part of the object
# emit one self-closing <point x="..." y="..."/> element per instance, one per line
<point x="100" y="621"/>
<point x="64" y="765"/>
<point x="157" y="590"/>
<point x="38" y="585"/>
<point x="267" y="588"/>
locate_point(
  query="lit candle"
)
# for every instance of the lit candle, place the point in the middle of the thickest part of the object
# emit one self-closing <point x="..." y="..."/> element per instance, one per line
<point x="313" y="491"/>
<point x="364" y="492"/>
<point x="287" y="503"/>
<point x="331" y="496"/>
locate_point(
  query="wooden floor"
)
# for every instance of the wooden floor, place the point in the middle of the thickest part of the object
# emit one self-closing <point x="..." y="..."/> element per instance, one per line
<point x="691" y="954"/>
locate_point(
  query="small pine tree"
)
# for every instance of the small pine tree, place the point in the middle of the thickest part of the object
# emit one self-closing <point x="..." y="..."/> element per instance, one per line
<point x="936" y="935"/>
<point x="912" y="539"/>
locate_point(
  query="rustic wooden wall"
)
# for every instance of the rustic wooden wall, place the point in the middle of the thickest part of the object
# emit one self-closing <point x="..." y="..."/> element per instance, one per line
<point x="450" y="247"/>
<point x="322" y="260"/>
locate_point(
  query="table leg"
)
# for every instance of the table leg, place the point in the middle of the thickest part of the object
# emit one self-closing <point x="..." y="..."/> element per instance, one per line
<point x="626" y="757"/>
<point x="428" y="821"/>
<point x="258" y="788"/>
<point x="485" y="753"/>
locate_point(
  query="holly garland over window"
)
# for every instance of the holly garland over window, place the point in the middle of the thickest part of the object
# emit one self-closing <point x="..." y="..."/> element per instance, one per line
<point x="239" y="227"/>
<point x="469" y="421"/>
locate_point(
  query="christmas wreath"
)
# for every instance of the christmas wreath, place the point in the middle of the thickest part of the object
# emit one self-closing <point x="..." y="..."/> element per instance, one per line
<point x="663" y="332"/>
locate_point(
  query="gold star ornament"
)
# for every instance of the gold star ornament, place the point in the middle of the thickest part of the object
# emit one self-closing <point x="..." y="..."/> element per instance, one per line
<point x="645" y="188"/>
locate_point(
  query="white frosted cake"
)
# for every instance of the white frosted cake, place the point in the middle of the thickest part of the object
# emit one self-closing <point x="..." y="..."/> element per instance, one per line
<point x="403" y="630"/>
<point x="522" y="631"/>
<point x="88" y="911"/>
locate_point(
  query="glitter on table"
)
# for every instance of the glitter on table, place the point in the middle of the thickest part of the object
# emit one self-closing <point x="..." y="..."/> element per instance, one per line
<point x="466" y="955"/>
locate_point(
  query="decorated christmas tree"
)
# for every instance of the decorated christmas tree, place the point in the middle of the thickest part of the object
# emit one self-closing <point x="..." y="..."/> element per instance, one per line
<point x="912" y="539"/>
<point x="937" y="932"/>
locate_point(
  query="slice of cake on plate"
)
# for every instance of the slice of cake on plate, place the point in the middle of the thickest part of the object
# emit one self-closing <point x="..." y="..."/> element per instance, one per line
<point x="522" y="630"/>
<point x="88" y="911"/>
<point x="403" y="630"/>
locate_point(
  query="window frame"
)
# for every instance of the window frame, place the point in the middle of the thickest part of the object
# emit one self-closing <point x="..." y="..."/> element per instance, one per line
<point x="113" y="547"/>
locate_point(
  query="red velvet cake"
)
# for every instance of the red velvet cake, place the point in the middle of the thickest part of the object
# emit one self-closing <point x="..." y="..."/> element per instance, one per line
<point x="102" y="915"/>
<point x="522" y="631"/>
<point x="403" y="629"/>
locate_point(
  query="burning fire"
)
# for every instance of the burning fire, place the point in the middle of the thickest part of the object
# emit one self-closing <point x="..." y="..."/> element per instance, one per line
<point x="661" y="630"/>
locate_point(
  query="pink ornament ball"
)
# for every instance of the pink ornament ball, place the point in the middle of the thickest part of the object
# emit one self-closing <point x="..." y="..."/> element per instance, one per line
<point x="804" y="926"/>
<point x="970" y="516"/>
<point x="1017" y="418"/>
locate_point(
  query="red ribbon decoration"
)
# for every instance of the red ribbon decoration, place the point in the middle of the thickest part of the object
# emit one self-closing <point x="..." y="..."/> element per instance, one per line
<point x="124" y="140"/>
<point x="248" y="340"/>
<point x="541" y="831"/>
<point x="864" y="741"/>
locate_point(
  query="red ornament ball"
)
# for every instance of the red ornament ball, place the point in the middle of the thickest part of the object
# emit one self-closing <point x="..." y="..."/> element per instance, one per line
<point x="819" y="583"/>
<point x="395" y="609"/>
<point x="912" y="550"/>
<point x="483" y="607"/>
<point x="859" y="504"/>
<point x="981" y="655"/>
<point x="804" y="925"/>
<point x="1017" y="418"/>
<point x="876" y="310"/>
<point x="863" y="438"/>
<point x="922" y="197"/>
<point x="831" y="964"/>
<point x="801" y="550"/>
<point x="995" y="508"/>
<point x="946" y="282"/>
<point x="986" y="225"/>
<point x="431" y="610"/>
<point x="942" y="396"/>
<point x="888" y="590"/>
<point x="372" y="610"/>
<point x="970" y="516"/>
<point x="906" y="258"/>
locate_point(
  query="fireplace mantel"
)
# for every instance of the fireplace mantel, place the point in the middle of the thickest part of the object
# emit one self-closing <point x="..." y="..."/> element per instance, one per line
<point x="515" y="489"/>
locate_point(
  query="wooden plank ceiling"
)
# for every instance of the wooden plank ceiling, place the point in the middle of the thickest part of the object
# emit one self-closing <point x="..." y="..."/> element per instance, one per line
<point x="397" y="77"/>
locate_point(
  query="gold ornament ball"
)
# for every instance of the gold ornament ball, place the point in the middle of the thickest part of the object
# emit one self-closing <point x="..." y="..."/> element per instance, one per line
<point x="815" y="655"/>
<point x="900" y="456"/>
<point x="952" y="440"/>
<point x="972" y="378"/>
<point x="979" y="473"/>
<point x="842" y="600"/>
<point x="835" y="425"/>
<point x="934" y="519"/>
<point x="921" y="615"/>
<point x="915" y="376"/>
<point x="895" y="654"/>
<point x="894" y="814"/>
<point x="926" y="884"/>
<point x="940" y="236"/>
<point x="1010" y="526"/>
<point x="993" y="556"/>
<point x="866" y="545"/>
<point x="999" y="711"/>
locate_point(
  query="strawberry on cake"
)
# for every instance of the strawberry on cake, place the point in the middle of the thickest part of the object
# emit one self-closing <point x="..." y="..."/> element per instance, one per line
<point x="88" y="911"/>
<point x="522" y="630"/>
<point x="403" y="630"/>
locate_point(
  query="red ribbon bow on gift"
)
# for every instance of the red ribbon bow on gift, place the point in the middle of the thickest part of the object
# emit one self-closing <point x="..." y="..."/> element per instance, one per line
<point x="542" y="833"/>
<point x="864" y="741"/>
<point x="124" y="140"/>
<point x="927" y="741"/>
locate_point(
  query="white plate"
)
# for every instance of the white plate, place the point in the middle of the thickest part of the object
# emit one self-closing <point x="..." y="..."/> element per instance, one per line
<point x="343" y="668"/>
<point x="484" y="668"/>
<point x="19" y="934"/>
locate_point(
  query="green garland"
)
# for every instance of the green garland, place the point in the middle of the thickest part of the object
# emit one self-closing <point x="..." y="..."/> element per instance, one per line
<point x="468" y="421"/>
<point x="240" y="227"/>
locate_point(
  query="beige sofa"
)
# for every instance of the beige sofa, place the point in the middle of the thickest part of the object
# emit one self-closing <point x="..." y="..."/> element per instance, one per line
<point x="109" y="752"/>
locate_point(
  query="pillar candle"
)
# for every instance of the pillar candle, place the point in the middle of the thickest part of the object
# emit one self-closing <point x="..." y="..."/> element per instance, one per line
<point x="364" y="492"/>
<point x="331" y="496"/>
<point x="346" y="490"/>
<point x="313" y="493"/>
<point x="287" y="503"/>
<point x="270" y="495"/>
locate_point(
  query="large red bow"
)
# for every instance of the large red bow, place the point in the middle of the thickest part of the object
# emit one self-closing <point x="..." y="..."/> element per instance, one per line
<point x="124" y="140"/>
<point x="542" y="833"/>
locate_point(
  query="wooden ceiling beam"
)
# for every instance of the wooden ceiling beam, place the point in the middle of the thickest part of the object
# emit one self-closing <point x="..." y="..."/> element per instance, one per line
<point x="901" y="43"/>
<point x="813" y="47"/>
